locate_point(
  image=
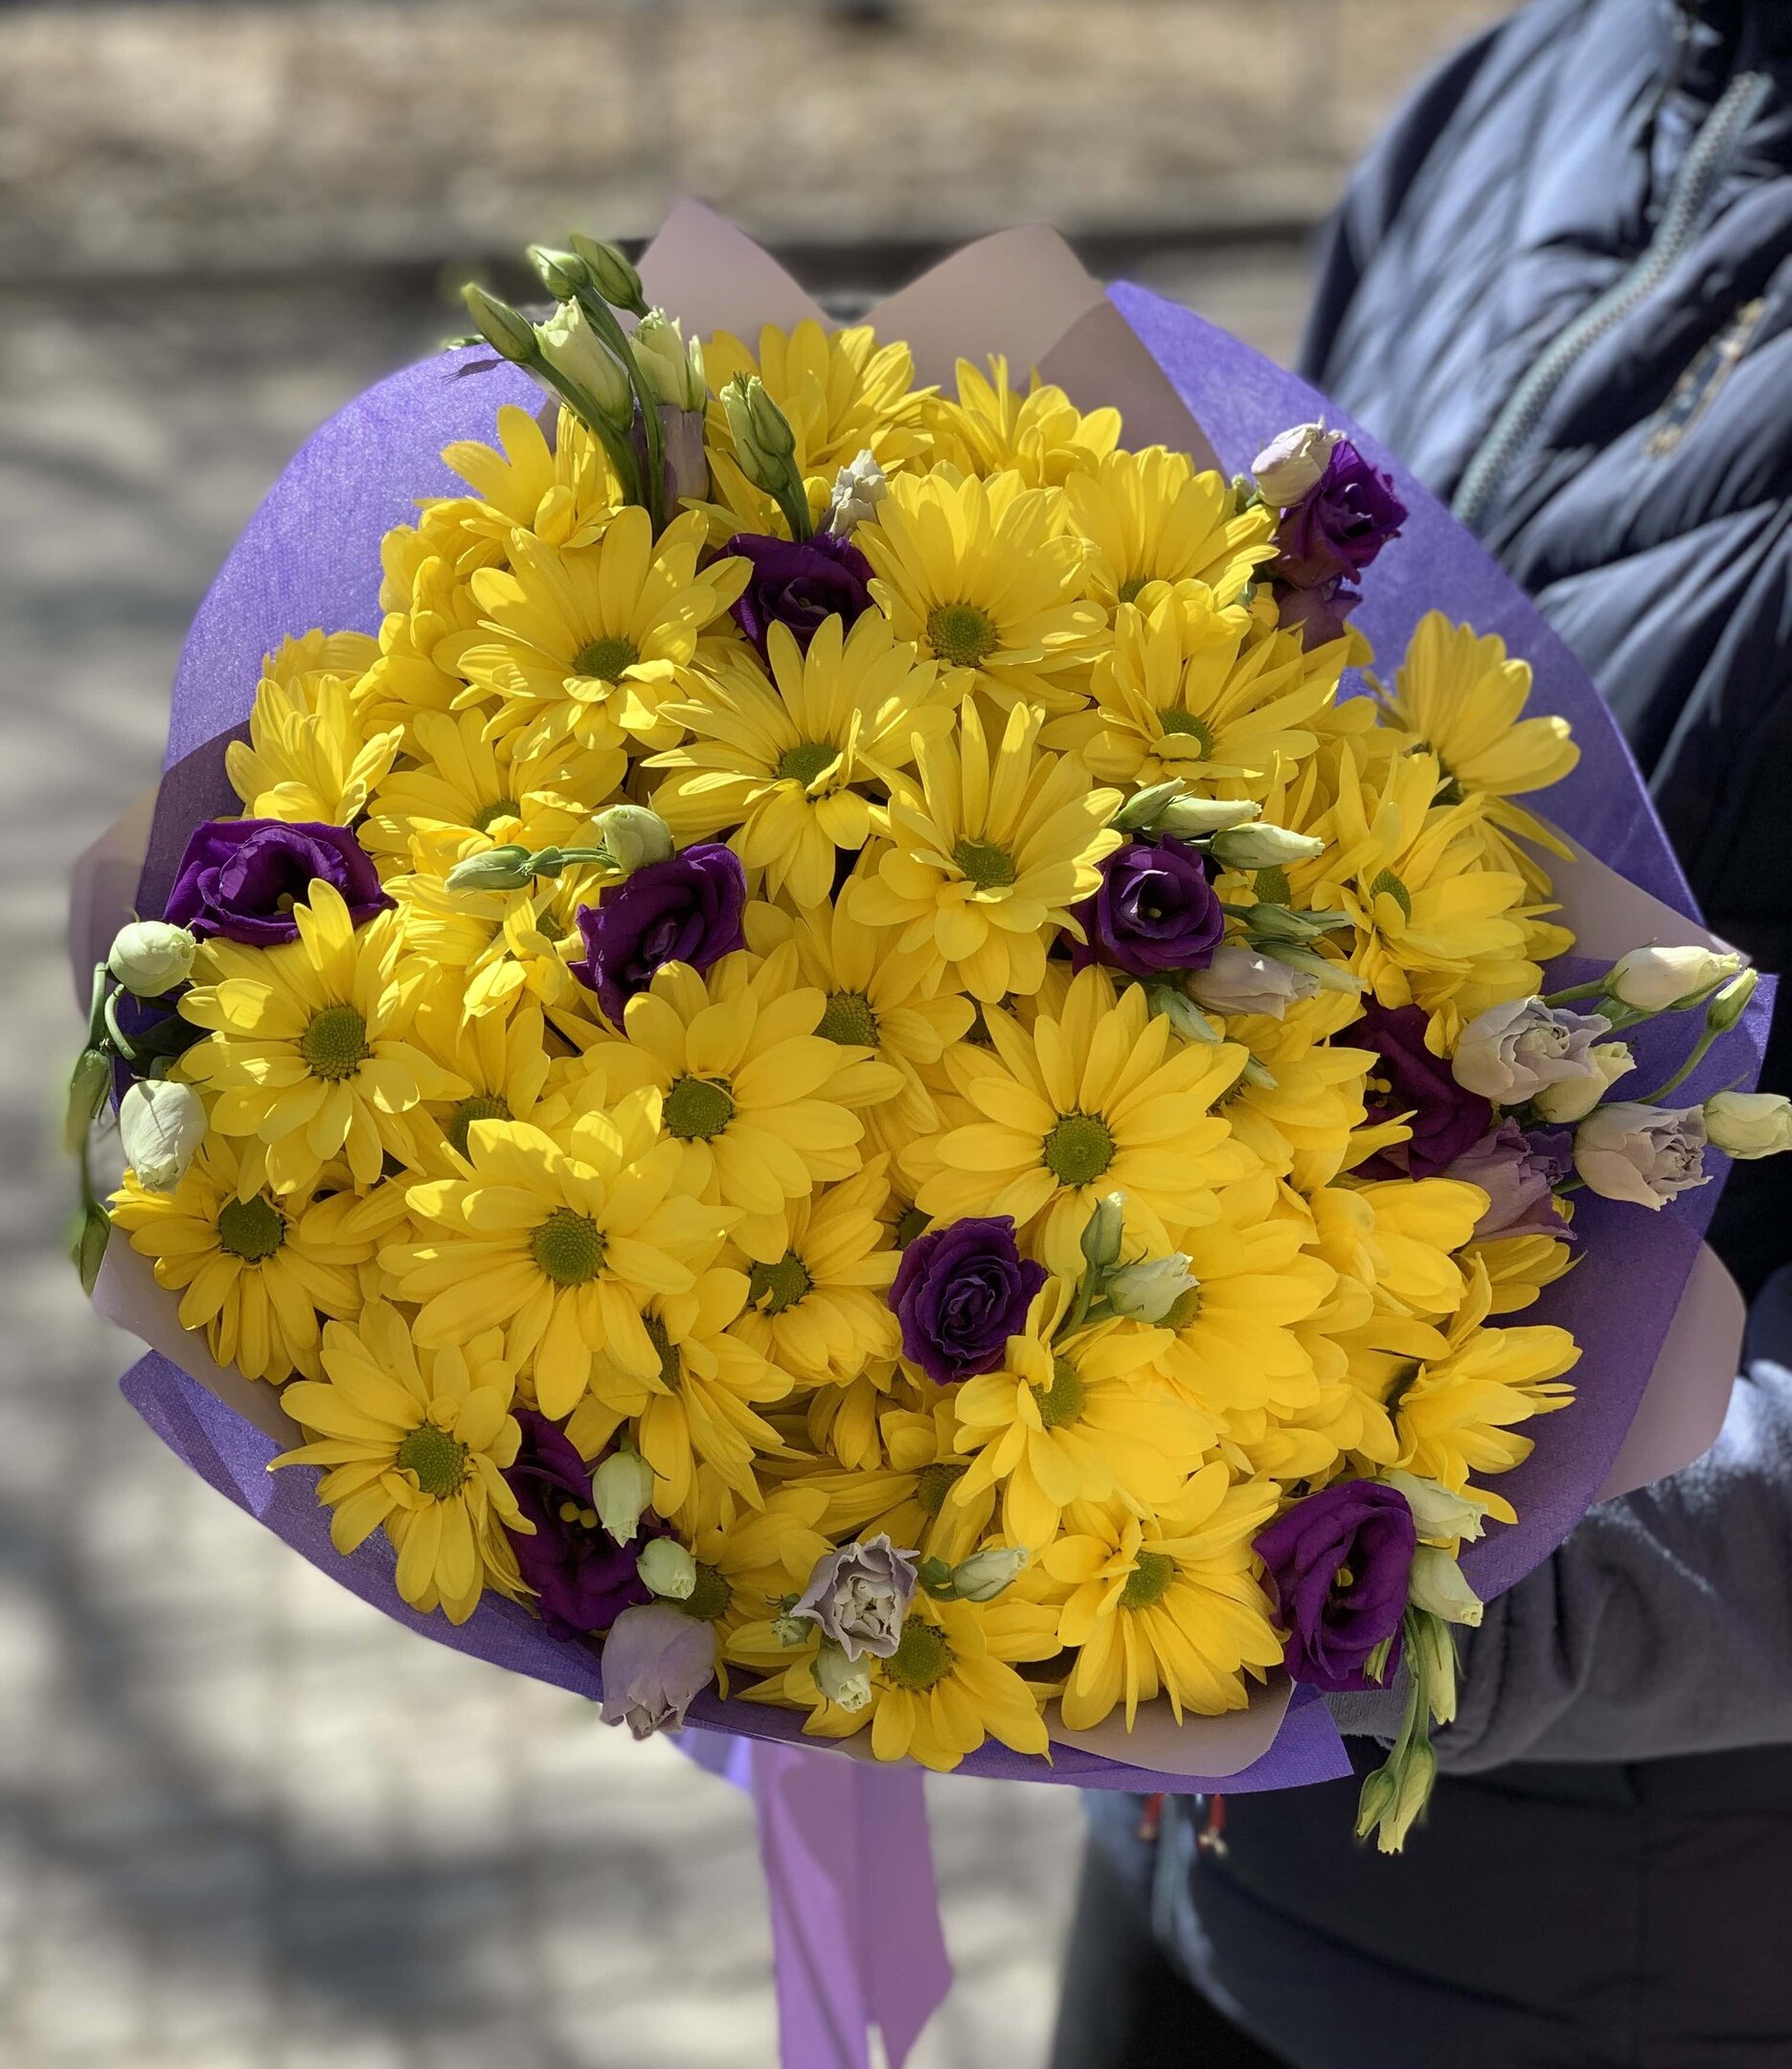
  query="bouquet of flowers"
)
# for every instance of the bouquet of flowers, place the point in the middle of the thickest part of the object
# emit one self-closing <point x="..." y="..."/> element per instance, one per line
<point x="820" y="1052"/>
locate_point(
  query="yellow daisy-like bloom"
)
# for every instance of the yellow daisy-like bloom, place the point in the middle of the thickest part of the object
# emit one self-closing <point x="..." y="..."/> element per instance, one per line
<point x="908" y="1499"/>
<point x="469" y="793"/>
<point x="1098" y="1098"/>
<point x="783" y="765"/>
<point x="311" y="752"/>
<point x="817" y="1308"/>
<point x="1518" y="1267"/>
<point x="1305" y="1126"/>
<point x="503" y="945"/>
<point x="700" y="1410"/>
<point x="586" y="643"/>
<point x="308" y="1052"/>
<point x="1455" y="1416"/>
<point x="1168" y="1603"/>
<point x="432" y="617"/>
<point x="564" y="493"/>
<point x="254" y="1272"/>
<point x="1081" y="1419"/>
<point x="987" y="854"/>
<point x="501" y="1060"/>
<point x="759" y="1105"/>
<point x="947" y="1687"/>
<point x="877" y="1000"/>
<point x="751" y="1563"/>
<point x="563" y="1244"/>
<point x="1150" y="516"/>
<point x="986" y="577"/>
<point x="842" y="394"/>
<point x="416" y="1443"/>
<point x="1041" y="436"/>
<point x="1188" y="693"/>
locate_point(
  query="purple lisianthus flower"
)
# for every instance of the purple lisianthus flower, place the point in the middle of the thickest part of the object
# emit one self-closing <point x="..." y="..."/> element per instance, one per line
<point x="798" y="585"/>
<point x="1518" y="1171"/>
<point x="1340" y="525"/>
<point x="960" y="1293"/>
<point x="1154" y="911"/>
<point x="687" y="909"/>
<point x="1336" y="1565"/>
<point x="583" y="1579"/>
<point x="1445" y="1118"/>
<point x="241" y="878"/>
<point x="1320" y="614"/>
<point x="860" y="1595"/>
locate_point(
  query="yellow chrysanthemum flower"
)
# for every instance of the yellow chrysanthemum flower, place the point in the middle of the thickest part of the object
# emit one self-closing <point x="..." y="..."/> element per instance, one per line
<point x="908" y="1497"/>
<point x="987" y="854"/>
<point x="501" y="1060"/>
<point x="750" y="1563"/>
<point x="254" y="1272"/>
<point x="1306" y="1124"/>
<point x="1518" y="1267"/>
<point x="1041" y="436"/>
<point x="1167" y="1604"/>
<point x="1150" y="516"/>
<point x="308" y="1052"/>
<point x="760" y="1104"/>
<point x="785" y="765"/>
<point x="502" y="946"/>
<point x="416" y="1443"/>
<point x="585" y="643"/>
<point x="311" y="752"/>
<point x="1100" y="1098"/>
<point x="818" y="1307"/>
<point x="986" y="577"/>
<point x="1188" y="693"/>
<point x="464" y="794"/>
<point x="564" y="493"/>
<point x="1081" y="1419"/>
<point x="561" y="1243"/>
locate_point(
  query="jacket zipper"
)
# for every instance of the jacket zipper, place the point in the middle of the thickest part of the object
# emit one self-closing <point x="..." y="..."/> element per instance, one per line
<point x="1688" y="208"/>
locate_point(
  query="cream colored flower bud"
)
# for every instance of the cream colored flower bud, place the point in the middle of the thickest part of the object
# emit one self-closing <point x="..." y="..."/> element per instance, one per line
<point x="1437" y="1514"/>
<point x="668" y="1569"/>
<point x="1146" y="1291"/>
<point x="983" y="1574"/>
<point x="859" y="488"/>
<point x="499" y="869"/>
<point x="633" y="836"/>
<point x="620" y="1489"/>
<point x="1749" y="1125"/>
<point x="160" y="1126"/>
<point x="762" y="438"/>
<point x="671" y="373"/>
<point x="842" y="1680"/>
<point x="1294" y="462"/>
<point x="150" y="957"/>
<point x="581" y="359"/>
<point x="1435" y="1583"/>
<point x="1264" y="847"/>
<point x="612" y="274"/>
<point x="1101" y="1232"/>
<point x="1575" y="1098"/>
<point x="506" y="330"/>
<point x="1655" y="980"/>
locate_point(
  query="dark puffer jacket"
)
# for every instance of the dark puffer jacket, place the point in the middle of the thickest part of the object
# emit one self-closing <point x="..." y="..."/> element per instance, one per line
<point x="1561" y="287"/>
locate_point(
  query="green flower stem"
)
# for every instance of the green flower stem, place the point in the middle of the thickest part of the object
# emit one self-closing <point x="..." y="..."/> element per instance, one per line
<point x="1565" y="1186"/>
<point x="602" y="320"/>
<point x="96" y="1008"/>
<point x="1700" y="1049"/>
<point x="795" y="504"/>
<point x="115" y="1034"/>
<point x="1593" y="987"/>
<point x="622" y="453"/>
<point x="1085" y="1300"/>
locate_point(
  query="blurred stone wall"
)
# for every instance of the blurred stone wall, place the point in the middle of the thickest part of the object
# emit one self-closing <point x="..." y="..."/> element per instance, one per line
<point x="229" y="137"/>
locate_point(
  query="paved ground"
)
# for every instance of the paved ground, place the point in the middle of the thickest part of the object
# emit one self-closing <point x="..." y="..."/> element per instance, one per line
<point x="245" y="1822"/>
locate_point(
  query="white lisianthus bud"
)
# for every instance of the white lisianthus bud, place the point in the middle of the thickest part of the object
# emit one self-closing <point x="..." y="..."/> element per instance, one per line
<point x="1510" y="1052"/>
<point x="1240" y="980"/>
<point x="1182" y="1012"/>
<point x="160" y="1126"/>
<point x="581" y="359"/>
<point x="1435" y="1583"/>
<point x="620" y="1489"/>
<point x="1645" y="1154"/>
<point x="1728" y="1005"/>
<point x="983" y="1574"/>
<point x="1293" y="464"/>
<point x="1101" y="1232"/>
<point x="1575" y="1098"/>
<point x="840" y="1679"/>
<point x="1433" y="1656"/>
<point x="859" y="488"/>
<point x="1264" y="847"/>
<point x="150" y="957"/>
<point x="1439" y="1515"/>
<point x="668" y="1569"/>
<point x="1193" y="818"/>
<point x="1749" y="1125"/>
<point x="497" y="869"/>
<point x="506" y="330"/>
<point x="1146" y="1291"/>
<point x="611" y="274"/>
<point x="670" y="373"/>
<point x="1656" y="980"/>
<point x="633" y="836"/>
<point x="763" y="441"/>
<point x="792" y="1630"/>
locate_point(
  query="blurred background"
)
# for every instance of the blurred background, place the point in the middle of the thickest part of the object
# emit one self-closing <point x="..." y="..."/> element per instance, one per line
<point x="245" y="1822"/>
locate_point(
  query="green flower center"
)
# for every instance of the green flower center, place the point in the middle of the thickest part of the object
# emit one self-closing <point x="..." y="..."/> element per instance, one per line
<point x="251" y="1229"/>
<point x="910" y="1223"/>
<point x="672" y="1366"/>
<point x="487" y="815"/>
<point x="935" y="1482"/>
<point x="989" y="867"/>
<point x="1078" y="1149"/>
<point x="1151" y="1574"/>
<point x="606" y="659"/>
<point x="1060" y="1402"/>
<point x="697" y="1109"/>
<point x="805" y="763"/>
<point x="774" y="1288"/>
<point x="569" y="1247"/>
<point x="1389" y="882"/>
<point x="1188" y="726"/>
<point x="1129" y="589"/>
<point x="1272" y="886"/>
<point x="335" y="1045"/>
<point x="961" y="635"/>
<point x="708" y="1602"/>
<point x="1184" y="1309"/>
<point x="922" y="1657"/>
<point x="437" y="1460"/>
<point x="482" y="1107"/>
<point x="848" y="1020"/>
